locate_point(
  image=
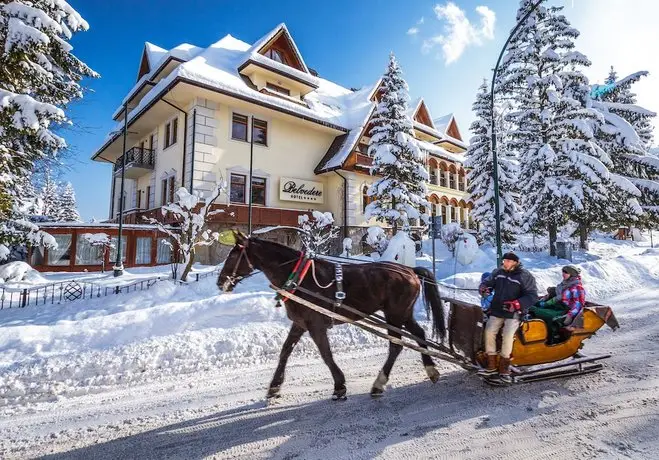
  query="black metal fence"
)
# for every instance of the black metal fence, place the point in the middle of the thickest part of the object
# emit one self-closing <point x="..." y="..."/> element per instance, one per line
<point x="71" y="290"/>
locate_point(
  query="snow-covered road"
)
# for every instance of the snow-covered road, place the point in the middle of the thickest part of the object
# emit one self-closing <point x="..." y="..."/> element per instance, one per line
<point x="222" y="413"/>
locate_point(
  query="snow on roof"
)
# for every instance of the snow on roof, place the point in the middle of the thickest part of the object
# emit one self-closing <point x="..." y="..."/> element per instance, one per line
<point x="359" y="116"/>
<point x="96" y="225"/>
<point x="442" y="123"/>
<point x="439" y="151"/>
<point x="154" y="54"/>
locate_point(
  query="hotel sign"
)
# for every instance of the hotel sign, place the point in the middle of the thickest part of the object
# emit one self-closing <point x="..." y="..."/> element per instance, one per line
<point x="307" y="191"/>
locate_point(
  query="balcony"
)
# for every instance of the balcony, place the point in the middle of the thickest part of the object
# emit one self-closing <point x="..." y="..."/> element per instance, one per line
<point x="139" y="161"/>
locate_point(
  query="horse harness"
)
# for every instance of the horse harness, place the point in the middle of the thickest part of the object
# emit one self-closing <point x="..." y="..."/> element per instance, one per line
<point x="302" y="266"/>
<point x="296" y="277"/>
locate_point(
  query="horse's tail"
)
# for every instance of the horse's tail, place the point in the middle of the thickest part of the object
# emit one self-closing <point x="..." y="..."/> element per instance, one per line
<point x="433" y="301"/>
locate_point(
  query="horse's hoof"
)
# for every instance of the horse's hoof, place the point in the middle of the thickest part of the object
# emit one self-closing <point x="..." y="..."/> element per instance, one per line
<point x="376" y="392"/>
<point x="273" y="393"/>
<point x="433" y="374"/>
<point x="339" y="395"/>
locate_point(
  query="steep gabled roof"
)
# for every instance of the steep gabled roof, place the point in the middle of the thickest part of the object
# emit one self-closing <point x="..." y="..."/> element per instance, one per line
<point x="419" y="112"/>
<point x="278" y="33"/>
<point x="441" y="123"/>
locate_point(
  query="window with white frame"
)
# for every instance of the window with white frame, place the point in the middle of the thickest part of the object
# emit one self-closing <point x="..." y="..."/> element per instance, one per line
<point x="62" y="254"/>
<point x="163" y="252"/>
<point x="143" y="251"/>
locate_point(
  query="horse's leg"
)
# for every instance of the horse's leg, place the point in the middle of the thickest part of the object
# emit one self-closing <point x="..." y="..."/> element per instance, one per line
<point x="383" y="376"/>
<point x="318" y="332"/>
<point x="413" y="327"/>
<point x="293" y="338"/>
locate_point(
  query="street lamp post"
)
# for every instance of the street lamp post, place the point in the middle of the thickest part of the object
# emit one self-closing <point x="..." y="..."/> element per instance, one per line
<point x="118" y="269"/>
<point x="495" y="161"/>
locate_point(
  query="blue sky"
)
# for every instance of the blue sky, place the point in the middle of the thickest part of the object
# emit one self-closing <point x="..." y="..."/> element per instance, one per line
<point x="347" y="42"/>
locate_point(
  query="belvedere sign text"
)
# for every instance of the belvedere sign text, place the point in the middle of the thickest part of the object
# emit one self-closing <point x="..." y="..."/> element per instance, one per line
<point x="291" y="189"/>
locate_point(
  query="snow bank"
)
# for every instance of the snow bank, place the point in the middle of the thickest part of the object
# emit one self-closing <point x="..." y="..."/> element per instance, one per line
<point x="14" y="272"/>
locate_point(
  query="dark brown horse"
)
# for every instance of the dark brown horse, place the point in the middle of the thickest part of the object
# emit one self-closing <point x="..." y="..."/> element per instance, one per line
<point x="369" y="287"/>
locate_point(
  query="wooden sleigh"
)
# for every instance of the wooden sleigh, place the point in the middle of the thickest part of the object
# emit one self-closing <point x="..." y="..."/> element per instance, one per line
<point x="533" y="357"/>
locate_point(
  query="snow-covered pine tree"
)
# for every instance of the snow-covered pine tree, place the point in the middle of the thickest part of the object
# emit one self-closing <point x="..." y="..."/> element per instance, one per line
<point x="563" y="173"/>
<point x="68" y="211"/>
<point x="481" y="184"/>
<point x="50" y="198"/>
<point x="400" y="193"/>
<point x="39" y="77"/>
<point x="627" y="136"/>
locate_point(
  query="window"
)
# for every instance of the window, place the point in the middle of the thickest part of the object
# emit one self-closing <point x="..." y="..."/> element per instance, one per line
<point x="442" y="178"/>
<point x="113" y="250"/>
<point x="171" y="132"/>
<point x="138" y="199"/>
<point x="163" y="252"/>
<point x="37" y="255"/>
<point x="237" y="189"/>
<point x="260" y="131"/>
<point x="366" y="200"/>
<point x="61" y="255"/>
<point x="451" y="178"/>
<point x="142" y="146"/>
<point x="258" y="191"/>
<point x="143" y="253"/>
<point x="239" y="127"/>
<point x="151" y="142"/>
<point x="171" y="188"/>
<point x="276" y="55"/>
<point x="86" y="254"/>
<point x="278" y="89"/>
<point x="163" y="192"/>
<point x="147" y="198"/>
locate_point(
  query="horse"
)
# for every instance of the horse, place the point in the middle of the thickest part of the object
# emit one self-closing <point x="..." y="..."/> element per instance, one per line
<point x="368" y="288"/>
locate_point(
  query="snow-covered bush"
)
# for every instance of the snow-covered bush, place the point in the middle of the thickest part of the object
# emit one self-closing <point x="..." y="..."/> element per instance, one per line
<point x="318" y="232"/>
<point x="193" y="211"/>
<point x="377" y="239"/>
<point x="450" y="235"/>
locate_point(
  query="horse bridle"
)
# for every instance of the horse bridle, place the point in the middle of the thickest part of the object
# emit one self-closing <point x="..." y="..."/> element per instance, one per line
<point x="232" y="279"/>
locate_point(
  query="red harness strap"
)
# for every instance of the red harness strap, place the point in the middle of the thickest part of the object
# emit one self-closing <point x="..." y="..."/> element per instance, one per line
<point x="295" y="278"/>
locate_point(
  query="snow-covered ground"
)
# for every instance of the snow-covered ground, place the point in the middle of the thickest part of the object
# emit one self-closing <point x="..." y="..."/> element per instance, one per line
<point x="181" y="372"/>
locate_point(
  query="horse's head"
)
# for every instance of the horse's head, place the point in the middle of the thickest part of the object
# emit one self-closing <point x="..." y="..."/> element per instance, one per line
<point x="237" y="266"/>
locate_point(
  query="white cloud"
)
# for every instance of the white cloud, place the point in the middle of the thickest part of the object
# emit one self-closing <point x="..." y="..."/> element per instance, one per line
<point x="415" y="30"/>
<point x="459" y="32"/>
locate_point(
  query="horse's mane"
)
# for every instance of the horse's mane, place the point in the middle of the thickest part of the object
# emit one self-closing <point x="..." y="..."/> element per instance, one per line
<point x="281" y="248"/>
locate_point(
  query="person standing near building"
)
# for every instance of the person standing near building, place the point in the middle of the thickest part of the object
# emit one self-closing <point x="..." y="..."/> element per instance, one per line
<point x="515" y="292"/>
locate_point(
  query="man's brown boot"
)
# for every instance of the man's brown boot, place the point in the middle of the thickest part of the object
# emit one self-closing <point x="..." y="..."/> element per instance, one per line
<point x="504" y="371"/>
<point x="491" y="368"/>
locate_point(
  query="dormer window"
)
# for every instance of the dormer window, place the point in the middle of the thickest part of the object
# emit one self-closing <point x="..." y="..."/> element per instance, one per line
<point x="275" y="55"/>
<point x="278" y="89"/>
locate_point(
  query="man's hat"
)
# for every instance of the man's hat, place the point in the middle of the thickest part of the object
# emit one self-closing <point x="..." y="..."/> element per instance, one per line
<point x="511" y="256"/>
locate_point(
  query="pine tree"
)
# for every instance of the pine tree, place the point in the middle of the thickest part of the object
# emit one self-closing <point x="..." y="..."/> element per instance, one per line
<point x="68" y="212"/>
<point x="39" y="77"/>
<point x="565" y="174"/>
<point x="400" y="193"/>
<point x="50" y="198"/>
<point x="481" y="184"/>
<point x="626" y="136"/>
